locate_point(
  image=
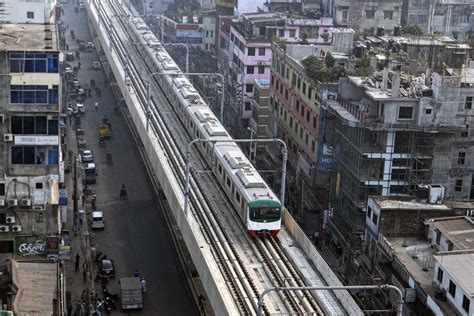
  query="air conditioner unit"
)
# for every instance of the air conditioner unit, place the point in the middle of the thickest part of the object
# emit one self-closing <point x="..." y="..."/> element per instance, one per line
<point x="2" y="202"/>
<point x="38" y="207"/>
<point x="7" y="137"/>
<point x="12" y="202"/>
<point x="2" y="118"/>
<point x="10" y="219"/>
<point x="16" y="228"/>
<point x="4" y="228"/>
<point x="25" y="202"/>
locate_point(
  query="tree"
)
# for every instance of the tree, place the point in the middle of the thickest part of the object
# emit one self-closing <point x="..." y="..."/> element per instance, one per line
<point x="330" y="61"/>
<point x="304" y="38"/>
<point x="412" y="30"/>
<point x="318" y="71"/>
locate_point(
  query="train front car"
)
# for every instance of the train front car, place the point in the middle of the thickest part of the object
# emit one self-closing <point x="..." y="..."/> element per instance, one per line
<point x="264" y="218"/>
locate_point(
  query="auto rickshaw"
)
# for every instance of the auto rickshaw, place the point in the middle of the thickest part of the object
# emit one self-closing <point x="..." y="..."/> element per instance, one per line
<point x="108" y="158"/>
<point x="104" y="131"/>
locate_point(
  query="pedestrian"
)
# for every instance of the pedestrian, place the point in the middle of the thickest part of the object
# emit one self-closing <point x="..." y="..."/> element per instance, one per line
<point x="67" y="46"/>
<point x="79" y="65"/>
<point x="96" y="105"/>
<point x="143" y="284"/>
<point x="76" y="264"/>
<point x="84" y="276"/>
<point x="81" y="216"/>
<point x="202" y="303"/>
<point x="123" y="192"/>
<point x="136" y="274"/>
<point x="67" y="27"/>
<point x="99" y="92"/>
<point x="83" y="199"/>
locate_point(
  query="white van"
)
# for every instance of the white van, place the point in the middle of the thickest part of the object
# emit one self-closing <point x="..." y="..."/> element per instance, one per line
<point x="98" y="220"/>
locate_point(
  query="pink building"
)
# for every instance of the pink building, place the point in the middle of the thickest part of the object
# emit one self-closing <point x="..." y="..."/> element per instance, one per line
<point x="250" y="54"/>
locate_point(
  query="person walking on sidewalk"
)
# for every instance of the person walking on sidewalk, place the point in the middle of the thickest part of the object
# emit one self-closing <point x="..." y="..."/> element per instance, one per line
<point x="96" y="105"/>
<point x="143" y="284"/>
<point x="202" y="304"/>
<point x="76" y="264"/>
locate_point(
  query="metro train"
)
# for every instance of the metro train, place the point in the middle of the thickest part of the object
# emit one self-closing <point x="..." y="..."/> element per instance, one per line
<point x="257" y="205"/>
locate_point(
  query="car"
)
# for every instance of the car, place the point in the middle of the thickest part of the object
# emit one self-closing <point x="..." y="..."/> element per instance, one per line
<point x="90" y="46"/>
<point x="80" y="108"/>
<point x="82" y="6"/>
<point x="97" y="220"/>
<point x="106" y="268"/>
<point x="69" y="57"/>
<point x="68" y="71"/>
<point x="87" y="156"/>
<point x="96" y="65"/>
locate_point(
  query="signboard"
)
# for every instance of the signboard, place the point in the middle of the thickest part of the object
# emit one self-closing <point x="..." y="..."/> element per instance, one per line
<point x="36" y="140"/>
<point x="64" y="252"/>
<point x="189" y="40"/>
<point x="30" y="246"/>
<point x="325" y="157"/>
<point x="52" y="245"/>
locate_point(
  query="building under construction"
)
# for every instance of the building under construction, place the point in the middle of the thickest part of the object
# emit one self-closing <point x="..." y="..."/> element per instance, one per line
<point x="394" y="132"/>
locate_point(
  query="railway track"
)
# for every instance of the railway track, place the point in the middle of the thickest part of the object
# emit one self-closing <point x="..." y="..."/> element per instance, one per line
<point x="209" y="205"/>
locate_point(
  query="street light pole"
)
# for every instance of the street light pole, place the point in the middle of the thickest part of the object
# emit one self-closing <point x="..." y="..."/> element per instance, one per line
<point x="187" y="52"/>
<point x="127" y="57"/>
<point x="148" y="96"/>
<point x="252" y="132"/>
<point x="270" y="140"/>
<point x="348" y="287"/>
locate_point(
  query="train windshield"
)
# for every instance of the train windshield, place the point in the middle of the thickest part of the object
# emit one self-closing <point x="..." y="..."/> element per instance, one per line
<point x="264" y="214"/>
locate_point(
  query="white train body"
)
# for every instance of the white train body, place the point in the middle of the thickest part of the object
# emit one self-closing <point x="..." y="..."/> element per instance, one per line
<point x="257" y="205"/>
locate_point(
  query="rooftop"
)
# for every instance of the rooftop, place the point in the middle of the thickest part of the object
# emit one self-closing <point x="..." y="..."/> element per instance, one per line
<point x="466" y="74"/>
<point x="460" y="266"/>
<point x="459" y="230"/>
<point x="409" y="86"/>
<point x="416" y="256"/>
<point x="28" y="37"/>
<point x="420" y="40"/>
<point x="386" y="203"/>
<point x="36" y="282"/>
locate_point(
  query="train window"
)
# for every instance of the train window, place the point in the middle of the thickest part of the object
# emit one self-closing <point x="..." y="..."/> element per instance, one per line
<point x="237" y="197"/>
<point x="228" y="182"/>
<point x="220" y="168"/>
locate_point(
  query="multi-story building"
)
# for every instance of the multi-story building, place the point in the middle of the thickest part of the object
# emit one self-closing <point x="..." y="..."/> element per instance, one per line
<point x="447" y="17"/>
<point x="368" y="14"/>
<point x="389" y="140"/>
<point x="259" y="120"/>
<point x="30" y="155"/>
<point x="250" y="50"/>
<point x="297" y="117"/>
<point x="417" y="244"/>
<point x="198" y="31"/>
<point x="28" y="11"/>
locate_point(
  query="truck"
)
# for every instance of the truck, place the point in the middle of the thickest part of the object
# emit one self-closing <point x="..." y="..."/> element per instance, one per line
<point x="131" y="293"/>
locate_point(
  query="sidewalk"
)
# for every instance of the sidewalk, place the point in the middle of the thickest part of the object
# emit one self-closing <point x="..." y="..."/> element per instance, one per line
<point x="80" y="283"/>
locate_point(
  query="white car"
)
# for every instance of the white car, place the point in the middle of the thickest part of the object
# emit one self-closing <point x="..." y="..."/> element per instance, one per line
<point x="80" y="108"/>
<point x="96" y="65"/>
<point x="87" y="156"/>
